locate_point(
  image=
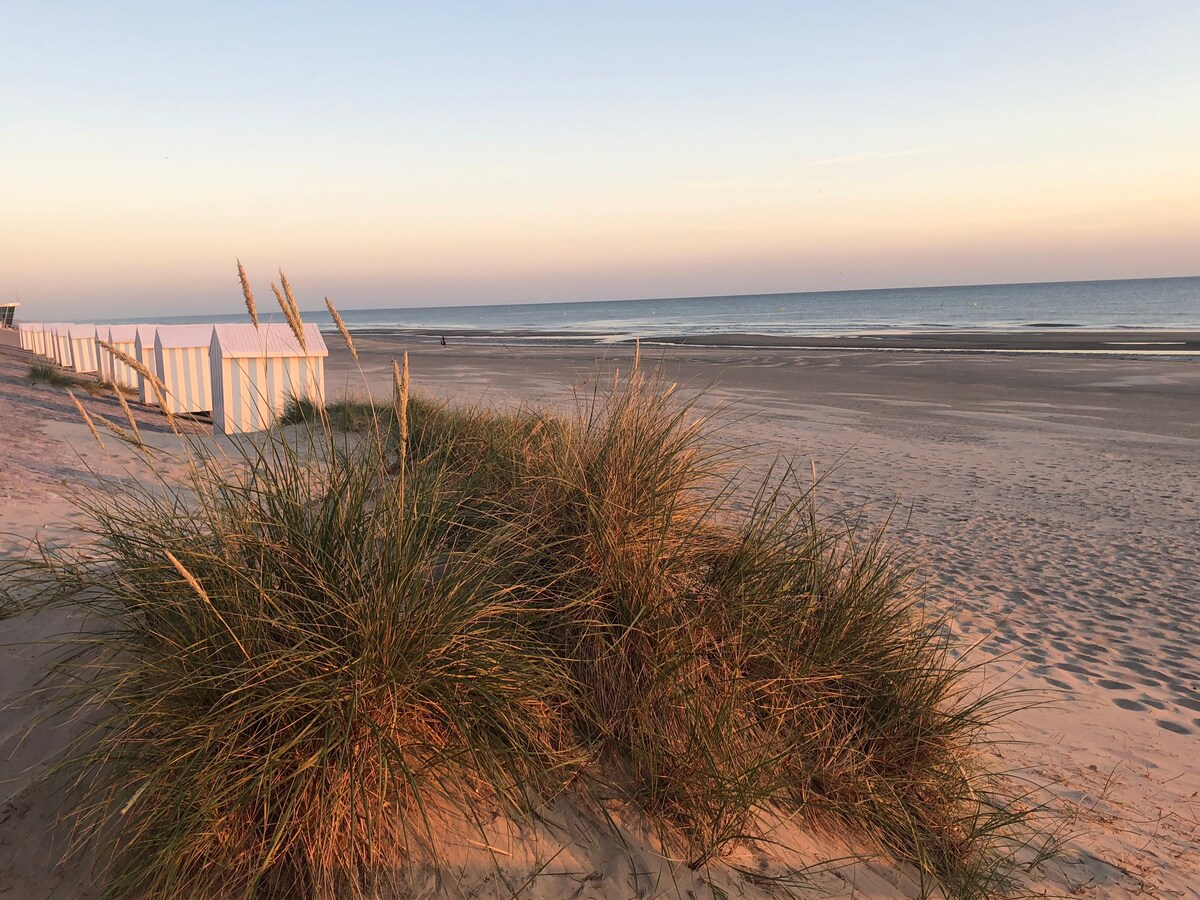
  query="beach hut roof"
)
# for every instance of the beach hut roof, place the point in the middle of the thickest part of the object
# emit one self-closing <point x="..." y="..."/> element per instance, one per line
<point x="81" y="331"/>
<point x="124" y="333"/>
<point x="272" y="339"/>
<point x="31" y="326"/>
<point x="176" y="336"/>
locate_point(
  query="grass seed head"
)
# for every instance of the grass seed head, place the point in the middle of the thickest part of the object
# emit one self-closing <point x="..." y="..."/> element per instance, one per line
<point x="341" y="327"/>
<point x="290" y="313"/>
<point x="87" y="420"/>
<point x="247" y="294"/>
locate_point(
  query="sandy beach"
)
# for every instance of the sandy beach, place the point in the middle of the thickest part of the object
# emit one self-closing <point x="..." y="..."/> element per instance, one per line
<point x="1053" y="502"/>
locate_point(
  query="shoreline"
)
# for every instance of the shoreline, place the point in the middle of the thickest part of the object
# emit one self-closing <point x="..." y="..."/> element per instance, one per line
<point x="1111" y="343"/>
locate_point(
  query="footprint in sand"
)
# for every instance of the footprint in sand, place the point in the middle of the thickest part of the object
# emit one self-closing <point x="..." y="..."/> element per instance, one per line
<point x="1126" y="703"/>
<point x="1109" y="684"/>
<point x="1168" y="725"/>
<point x="1075" y="668"/>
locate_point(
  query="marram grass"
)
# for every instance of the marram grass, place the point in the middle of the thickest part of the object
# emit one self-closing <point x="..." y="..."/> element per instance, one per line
<point x="307" y="649"/>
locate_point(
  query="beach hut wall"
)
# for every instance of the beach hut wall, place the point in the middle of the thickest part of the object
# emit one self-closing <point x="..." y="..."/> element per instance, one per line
<point x="62" y="345"/>
<point x="83" y="347"/>
<point x="33" y="337"/>
<point x="39" y="341"/>
<point x="123" y="338"/>
<point x="255" y="371"/>
<point x="47" y="343"/>
<point x="181" y="361"/>
<point x="143" y="346"/>
<point x="104" y="359"/>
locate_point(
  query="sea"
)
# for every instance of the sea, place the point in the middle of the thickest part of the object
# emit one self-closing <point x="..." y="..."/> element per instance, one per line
<point x="1152" y="303"/>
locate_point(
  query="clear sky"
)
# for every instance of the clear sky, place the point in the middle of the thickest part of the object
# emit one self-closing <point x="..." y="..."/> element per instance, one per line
<point x="407" y="154"/>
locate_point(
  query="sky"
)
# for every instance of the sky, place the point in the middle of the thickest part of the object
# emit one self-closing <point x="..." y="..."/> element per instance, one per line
<point x="416" y="154"/>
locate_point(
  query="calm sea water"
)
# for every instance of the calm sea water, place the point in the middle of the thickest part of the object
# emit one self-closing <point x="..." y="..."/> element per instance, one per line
<point x="1167" y="303"/>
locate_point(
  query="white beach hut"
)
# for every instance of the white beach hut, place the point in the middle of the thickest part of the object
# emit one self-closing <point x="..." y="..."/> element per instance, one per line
<point x="104" y="359"/>
<point x="143" y="352"/>
<point x="48" y="340"/>
<point x="181" y="362"/>
<point x="61" y="332"/>
<point x="255" y="371"/>
<point x="83" y="347"/>
<point x="123" y="338"/>
<point x="33" y="337"/>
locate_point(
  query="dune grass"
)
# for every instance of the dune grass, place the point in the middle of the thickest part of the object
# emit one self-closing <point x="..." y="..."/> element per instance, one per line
<point x="421" y="606"/>
<point x="345" y="415"/>
<point x="48" y="373"/>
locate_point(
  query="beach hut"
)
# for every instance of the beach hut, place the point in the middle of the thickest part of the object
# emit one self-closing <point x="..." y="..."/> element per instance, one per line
<point x="255" y="371"/>
<point x="104" y="359"/>
<point x="33" y="337"/>
<point x="48" y="340"/>
<point x="83" y="347"/>
<point x="62" y="344"/>
<point x="143" y="351"/>
<point x="181" y="362"/>
<point x="123" y="338"/>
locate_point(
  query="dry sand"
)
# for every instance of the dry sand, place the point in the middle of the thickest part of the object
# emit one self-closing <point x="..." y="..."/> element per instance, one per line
<point x="1054" y="500"/>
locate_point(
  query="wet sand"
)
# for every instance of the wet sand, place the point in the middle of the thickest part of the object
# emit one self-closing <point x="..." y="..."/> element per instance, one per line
<point x="1032" y="341"/>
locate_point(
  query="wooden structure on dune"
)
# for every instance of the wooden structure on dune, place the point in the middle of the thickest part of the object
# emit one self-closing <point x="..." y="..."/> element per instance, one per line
<point x="123" y="338"/>
<point x="255" y="371"/>
<point x="33" y="337"/>
<point x="181" y="361"/>
<point x="83" y="347"/>
<point x="8" y="314"/>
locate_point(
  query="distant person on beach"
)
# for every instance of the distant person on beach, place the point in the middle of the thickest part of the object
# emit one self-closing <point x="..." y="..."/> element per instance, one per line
<point x="443" y="340"/>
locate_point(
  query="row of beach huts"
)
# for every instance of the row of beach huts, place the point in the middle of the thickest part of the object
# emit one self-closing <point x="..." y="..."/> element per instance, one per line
<point x="241" y="374"/>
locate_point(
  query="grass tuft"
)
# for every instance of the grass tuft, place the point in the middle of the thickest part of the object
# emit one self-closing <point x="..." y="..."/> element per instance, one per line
<point x="48" y="373"/>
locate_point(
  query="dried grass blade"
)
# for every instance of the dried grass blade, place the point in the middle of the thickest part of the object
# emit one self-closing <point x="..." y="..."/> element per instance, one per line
<point x="203" y="595"/>
<point x="87" y="420"/>
<point x="128" y="413"/>
<point x="136" y="364"/>
<point x="290" y="314"/>
<point x="341" y="327"/>
<point x="248" y="294"/>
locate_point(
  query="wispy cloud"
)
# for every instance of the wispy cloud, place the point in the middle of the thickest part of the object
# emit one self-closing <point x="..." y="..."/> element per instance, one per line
<point x="870" y="156"/>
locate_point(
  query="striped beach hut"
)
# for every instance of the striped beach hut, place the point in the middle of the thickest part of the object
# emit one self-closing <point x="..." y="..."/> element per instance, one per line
<point x="83" y="347"/>
<point x="48" y="340"/>
<point x="61" y="332"/>
<point x="33" y="337"/>
<point x="255" y="371"/>
<point x="181" y="361"/>
<point x="123" y="338"/>
<point x="143" y="352"/>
